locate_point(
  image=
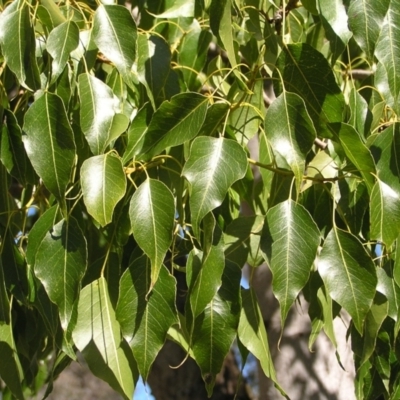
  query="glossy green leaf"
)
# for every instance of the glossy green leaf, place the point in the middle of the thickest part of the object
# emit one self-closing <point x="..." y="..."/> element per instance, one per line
<point x="290" y="132"/>
<point x="334" y="19"/>
<point x="301" y="68"/>
<point x="60" y="265"/>
<point x="289" y="243"/>
<point x="103" y="186"/>
<point x="192" y="54"/>
<point x="366" y="20"/>
<point x="17" y="38"/>
<point x="373" y="322"/>
<point x="153" y="65"/>
<point x="361" y="117"/>
<point x="38" y="233"/>
<point x="145" y="320"/>
<point x="385" y="214"/>
<point x="11" y="371"/>
<point x="180" y="8"/>
<point x="55" y="13"/>
<point x="97" y="335"/>
<point x="385" y="149"/>
<point x="242" y="240"/>
<point x="61" y="42"/>
<point x="136" y="133"/>
<point x="221" y="25"/>
<point x="12" y="154"/>
<point x="175" y="122"/>
<point x="98" y="112"/>
<point x="253" y="335"/>
<point x="152" y="212"/>
<point x="388" y="287"/>
<point x="215" y="329"/>
<point x="213" y="166"/>
<point x="49" y="142"/>
<point x="114" y="32"/>
<point x="356" y="151"/>
<point x="348" y="274"/>
<point x="204" y="272"/>
<point x="387" y="49"/>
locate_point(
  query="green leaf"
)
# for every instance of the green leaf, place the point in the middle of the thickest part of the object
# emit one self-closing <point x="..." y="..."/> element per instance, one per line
<point x="38" y="233"/>
<point x="334" y="19"/>
<point x="114" y="32"/>
<point x="153" y="65"/>
<point x="60" y="265"/>
<point x="385" y="149"/>
<point x="152" y="212"/>
<point x="388" y="287"/>
<point x="289" y="243"/>
<point x="387" y="49"/>
<point x="179" y="9"/>
<point x="17" y="38"/>
<point x="253" y="335"/>
<point x="361" y="116"/>
<point x="146" y="319"/>
<point x="365" y="20"/>
<point x="204" y="272"/>
<point x="301" y="68"/>
<point x="384" y="214"/>
<point x="49" y="142"/>
<point x="242" y="240"/>
<point x="103" y="186"/>
<point x="348" y="274"/>
<point x="98" y="336"/>
<point x="356" y="151"/>
<point x="215" y="329"/>
<point x="98" y="113"/>
<point x="213" y="166"/>
<point x="221" y="25"/>
<point x="13" y="155"/>
<point x="193" y="54"/>
<point x="136" y="133"/>
<point x="373" y="322"/>
<point x="175" y="122"/>
<point x="11" y="371"/>
<point x="290" y="132"/>
<point x="61" y="42"/>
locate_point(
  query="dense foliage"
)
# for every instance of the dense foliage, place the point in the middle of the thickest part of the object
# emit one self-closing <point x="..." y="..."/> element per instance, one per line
<point x="125" y="160"/>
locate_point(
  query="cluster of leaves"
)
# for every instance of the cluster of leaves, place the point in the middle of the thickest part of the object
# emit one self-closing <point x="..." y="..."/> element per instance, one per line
<point x="125" y="160"/>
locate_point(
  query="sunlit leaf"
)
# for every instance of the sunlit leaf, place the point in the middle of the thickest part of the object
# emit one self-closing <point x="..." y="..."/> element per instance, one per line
<point x="356" y="151"/>
<point x="348" y="274"/>
<point x="60" y="264"/>
<point x="114" y="32"/>
<point x="213" y="166"/>
<point x="253" y="335"/>
<point x="175" y="122"/>
<point x="215" y="329"/>
<point x="61" y="42"/>
<point x="289" y="243"/>
<point x="98" y="336"/>
<point x="145" y="320"/>
<point x="103" y="186"/>
<point x="290" y="131"/>
<point x="180" y="8"/>
<point x="17" y="38"/>
<point x="152" y="212"/>
<point x="302" y="68"/>
<point x="50" y="143"/>
<point x="365" y="20"/>
<point x="385" y="213"/>
<point x="387" y="49"/>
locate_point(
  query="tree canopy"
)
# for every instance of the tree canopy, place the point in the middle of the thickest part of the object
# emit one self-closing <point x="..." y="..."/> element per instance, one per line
<point x="127" y="156"/>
